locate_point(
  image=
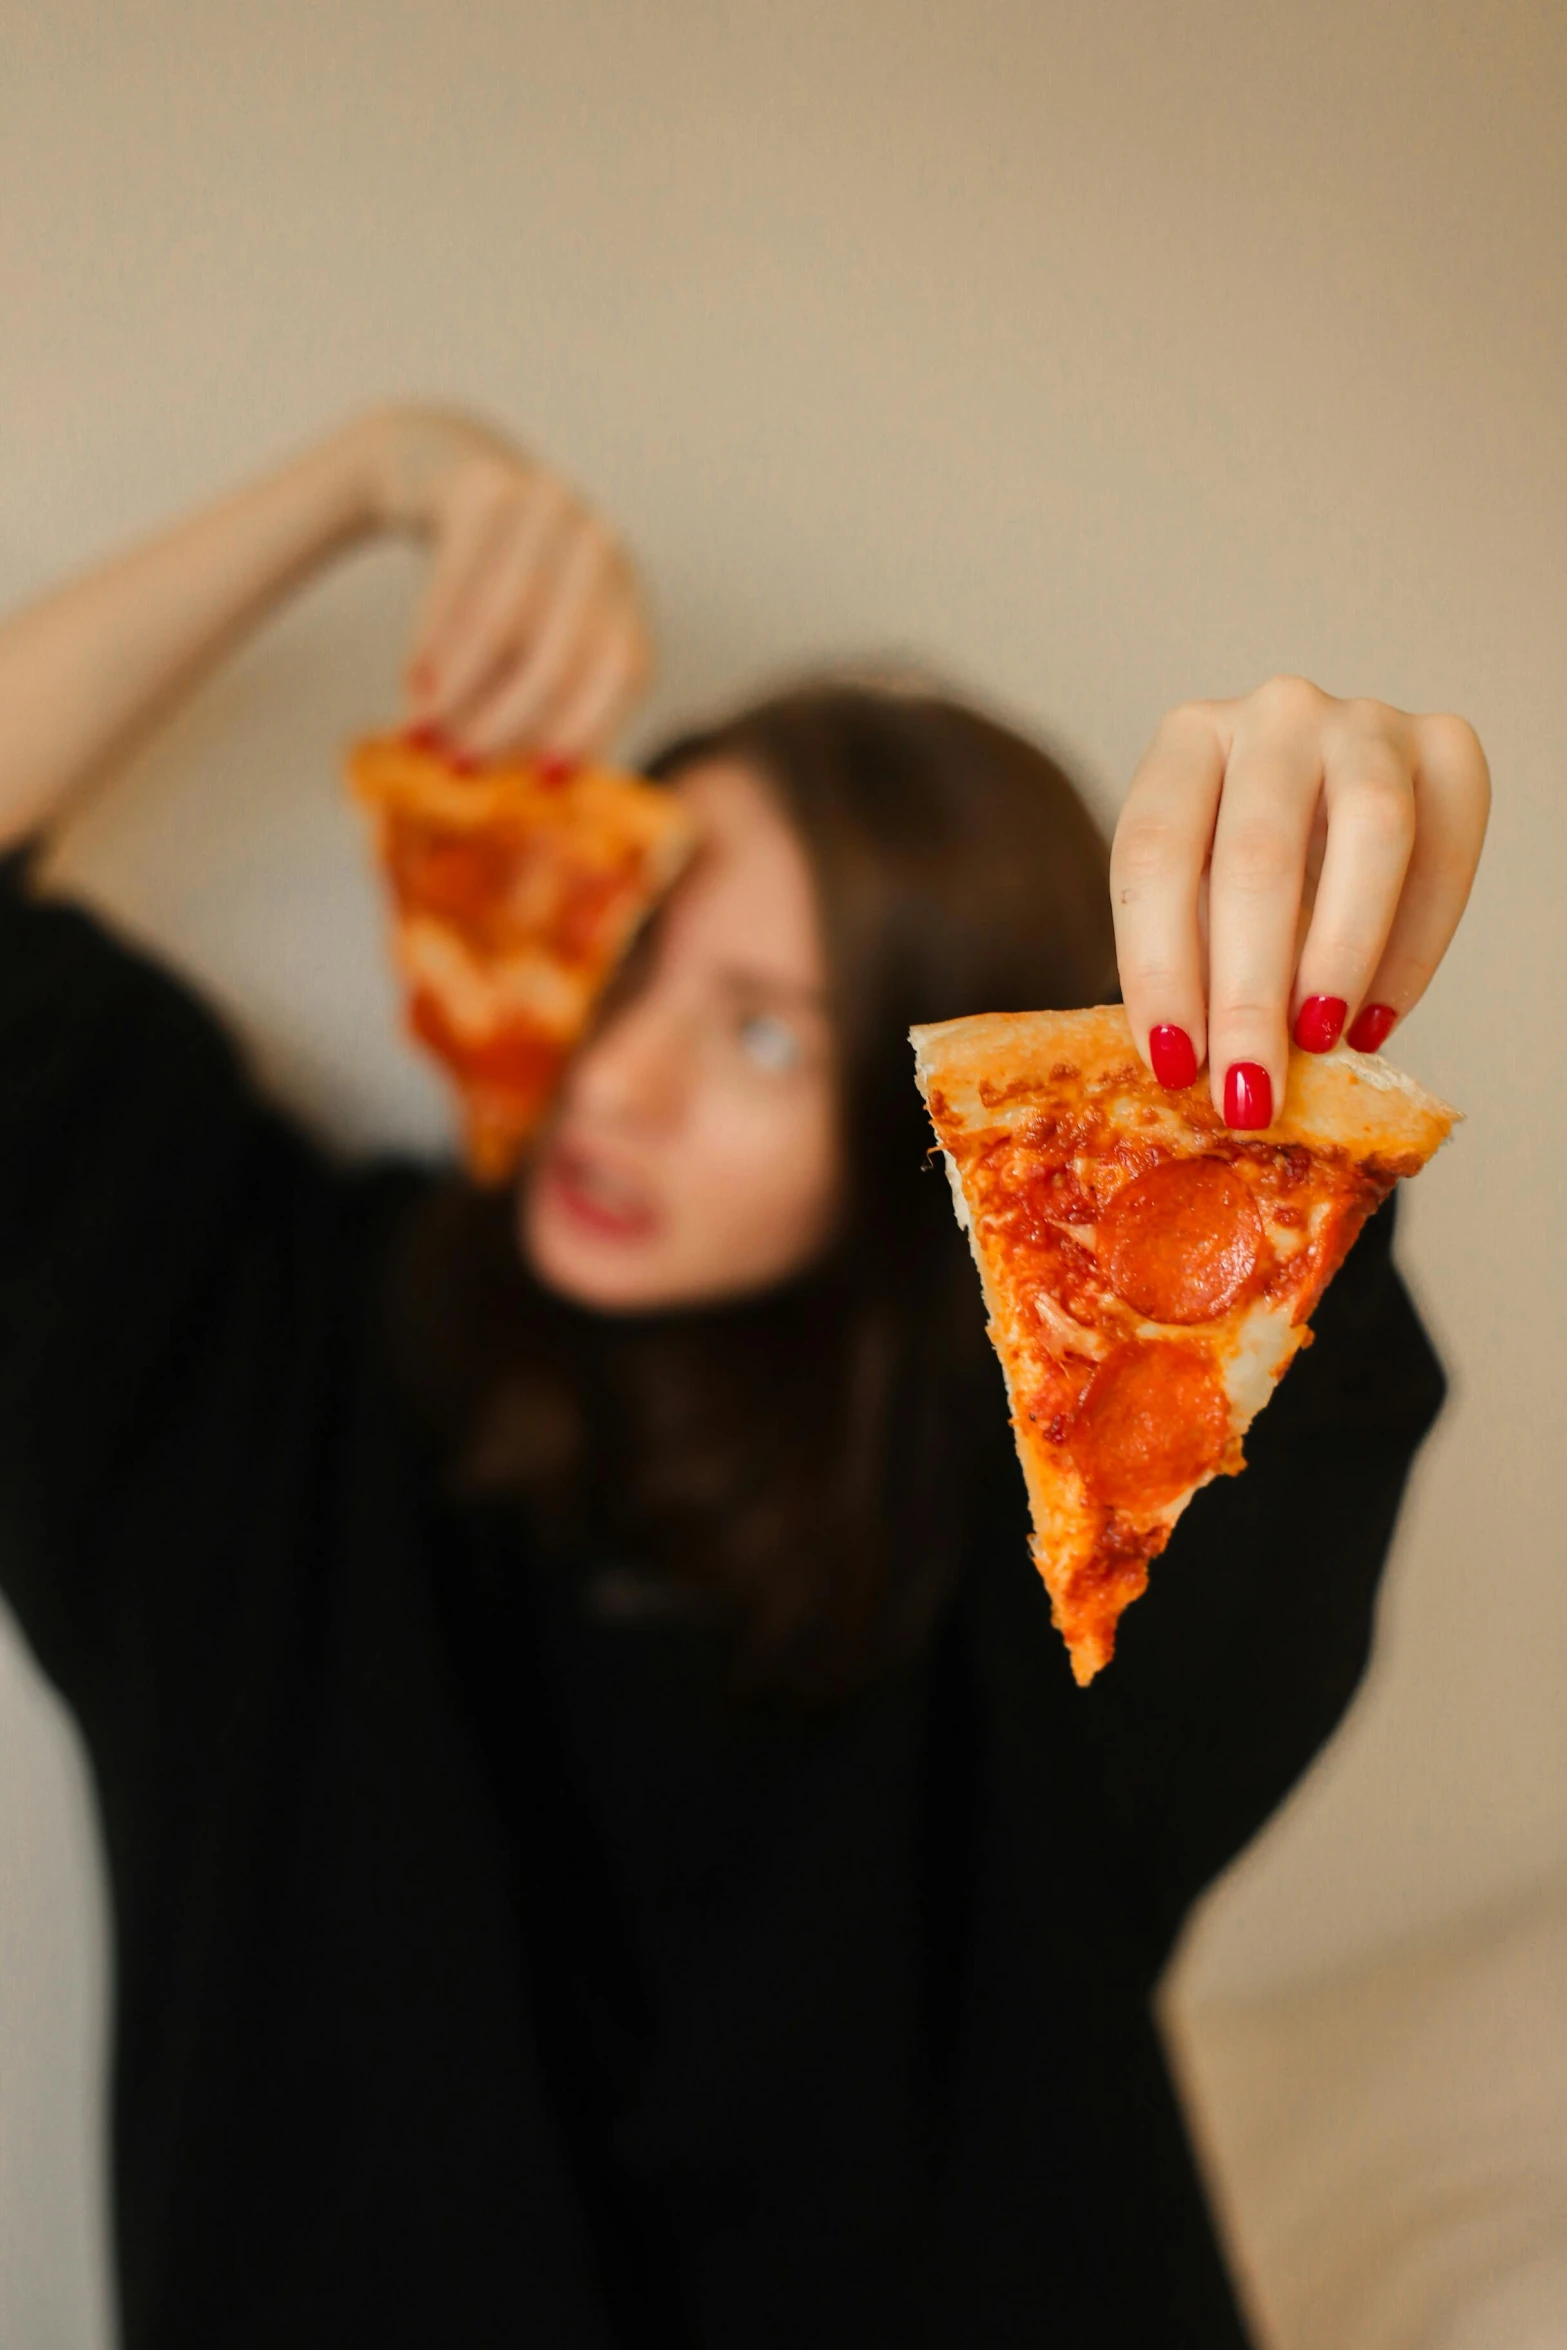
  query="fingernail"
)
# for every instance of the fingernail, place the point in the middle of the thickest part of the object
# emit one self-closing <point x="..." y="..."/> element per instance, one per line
<point x="424" y="738"/>
<point x="464" y="762"/>
<point x="1248" y="1096"/>
<point x="1173" y="1055"/>
<point x="555" y="771"/>
<point x="1372" y="1026"/>
<point x="1318" y="1022"/>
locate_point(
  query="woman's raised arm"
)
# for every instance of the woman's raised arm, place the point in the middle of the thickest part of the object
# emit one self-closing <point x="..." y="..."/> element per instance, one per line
<point x="85" y="672"/>
<point x="532" y="638"/>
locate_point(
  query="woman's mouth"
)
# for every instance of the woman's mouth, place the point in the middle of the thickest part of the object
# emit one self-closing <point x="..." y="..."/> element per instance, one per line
<point x="597" y="1197"/>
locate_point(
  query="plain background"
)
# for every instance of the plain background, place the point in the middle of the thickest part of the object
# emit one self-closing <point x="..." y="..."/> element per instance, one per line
<point x="1101" y="356"/>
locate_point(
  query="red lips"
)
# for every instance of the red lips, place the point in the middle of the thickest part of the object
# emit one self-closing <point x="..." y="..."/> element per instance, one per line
<point x="595" y="1198"/>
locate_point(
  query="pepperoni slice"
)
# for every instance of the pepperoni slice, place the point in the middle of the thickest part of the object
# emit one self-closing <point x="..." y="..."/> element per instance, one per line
<point x="1181" y="1242"/>
<point x="460" y="876"/>
<point x="1153" y="1419"/>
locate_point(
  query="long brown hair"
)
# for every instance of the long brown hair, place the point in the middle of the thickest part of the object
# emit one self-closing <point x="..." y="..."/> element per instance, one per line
<point x="806" y="1460"/>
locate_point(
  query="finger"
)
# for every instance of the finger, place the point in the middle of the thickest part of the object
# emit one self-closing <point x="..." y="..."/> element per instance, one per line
<point x="1368" y="796"/>
<point x="1258" y="873"/>
<point x="615" y="671"/>
<point x="586" y="722"/>
<point x="576" y="717"/>
<point x="502" y="607"/>
<point x="513" y="707"/>
<point x="476" y="522"/>
<point x="1452" y="807"/>
<point x="1156" y="885"/>
<point x="502" y="724"/>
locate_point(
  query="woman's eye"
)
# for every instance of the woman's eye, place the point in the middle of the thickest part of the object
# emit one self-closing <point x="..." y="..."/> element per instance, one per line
<point x="770" y="1042"/>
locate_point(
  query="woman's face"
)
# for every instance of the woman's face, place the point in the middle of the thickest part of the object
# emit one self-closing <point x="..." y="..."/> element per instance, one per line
<point x="694" y="1153"/>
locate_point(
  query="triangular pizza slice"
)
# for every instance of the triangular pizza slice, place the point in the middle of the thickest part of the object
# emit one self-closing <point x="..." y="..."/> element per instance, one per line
<point x="515" y="892"/>
<point x="1148" y="1273"/>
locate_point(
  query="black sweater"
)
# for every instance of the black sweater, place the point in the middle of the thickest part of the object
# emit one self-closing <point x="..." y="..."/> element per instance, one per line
<point x="482" y="1977"/>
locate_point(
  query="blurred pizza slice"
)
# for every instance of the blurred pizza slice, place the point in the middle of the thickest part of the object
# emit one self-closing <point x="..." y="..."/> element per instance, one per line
<point x="1149" y="1275"/>
<point x="515" y="893"/>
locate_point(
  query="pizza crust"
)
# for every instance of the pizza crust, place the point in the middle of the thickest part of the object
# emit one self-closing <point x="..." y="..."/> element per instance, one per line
<point x="1343" y="1099"/>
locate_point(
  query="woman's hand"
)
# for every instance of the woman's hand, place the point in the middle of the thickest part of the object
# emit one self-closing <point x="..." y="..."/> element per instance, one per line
<point x="1288" y="864"/>
<point x="533" y="639"/>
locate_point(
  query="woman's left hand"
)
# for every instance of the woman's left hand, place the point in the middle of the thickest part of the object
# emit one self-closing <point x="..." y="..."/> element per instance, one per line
<point x="1288" y="864"/>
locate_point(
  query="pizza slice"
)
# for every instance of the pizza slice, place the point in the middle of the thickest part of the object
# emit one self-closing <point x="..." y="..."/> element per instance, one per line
<point x="1148" y="1274"/>
<point x="515" y="892"/>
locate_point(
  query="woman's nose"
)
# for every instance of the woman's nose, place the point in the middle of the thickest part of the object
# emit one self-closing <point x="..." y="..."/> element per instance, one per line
<point x="633" y="1071"/>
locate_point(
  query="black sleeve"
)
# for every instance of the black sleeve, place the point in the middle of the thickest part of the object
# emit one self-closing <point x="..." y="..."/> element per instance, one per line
<point x="151" y="1213"/>
<point x="1244" y="1653"/>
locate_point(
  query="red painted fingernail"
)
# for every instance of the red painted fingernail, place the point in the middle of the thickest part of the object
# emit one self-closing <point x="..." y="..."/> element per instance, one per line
<point x="1248" y="1096"/>
<point x="464" y="762"/>
<point x="1173" y="1055"/>
<point x="424" y="738"/>
<point x="1318" y="1023"/>
<point x="1371" y="1027"/>
<point x="553" y="772"/>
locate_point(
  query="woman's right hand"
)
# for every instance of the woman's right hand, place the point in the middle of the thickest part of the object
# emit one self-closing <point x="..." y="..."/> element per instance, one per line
<point x="1334" y="842"/>
<point x="533" y="639"/>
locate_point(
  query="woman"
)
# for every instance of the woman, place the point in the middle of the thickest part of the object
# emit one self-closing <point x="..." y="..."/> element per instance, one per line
<point x="604" y="1845"/>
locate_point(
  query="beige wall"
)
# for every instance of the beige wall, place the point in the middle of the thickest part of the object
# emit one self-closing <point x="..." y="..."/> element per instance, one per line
<point x="1104" y="355"/>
